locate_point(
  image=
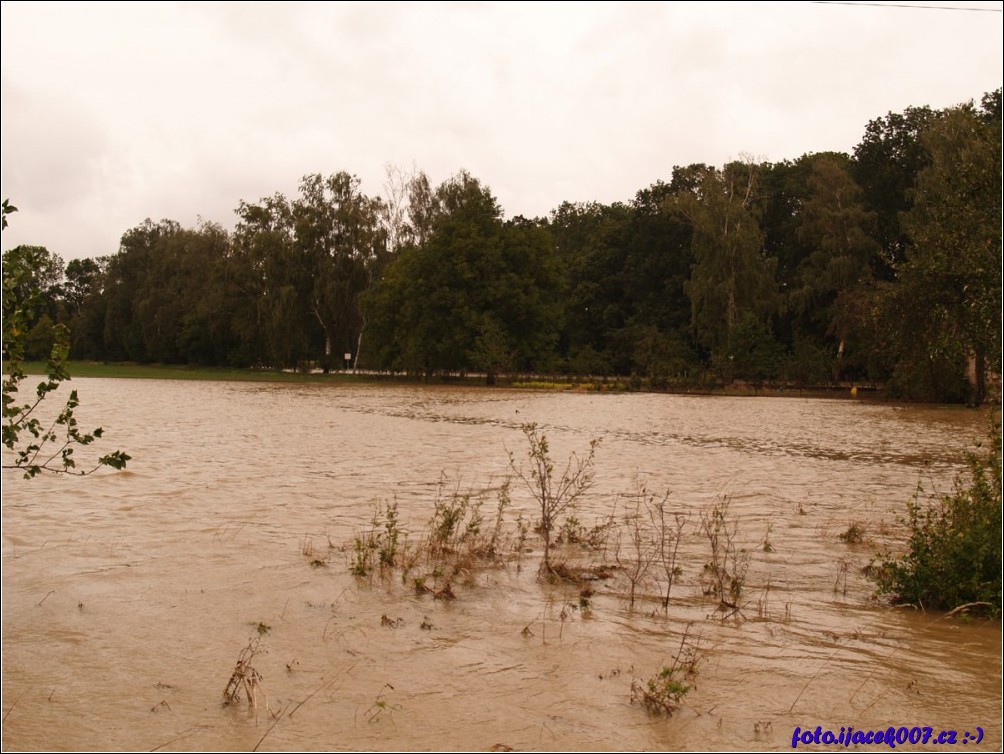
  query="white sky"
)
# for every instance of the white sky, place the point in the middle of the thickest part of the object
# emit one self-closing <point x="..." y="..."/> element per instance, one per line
<point x="112" y="113"/>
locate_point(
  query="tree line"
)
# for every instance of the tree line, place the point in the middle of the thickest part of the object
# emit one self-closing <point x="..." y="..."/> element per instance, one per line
<point x="880" y="266"/>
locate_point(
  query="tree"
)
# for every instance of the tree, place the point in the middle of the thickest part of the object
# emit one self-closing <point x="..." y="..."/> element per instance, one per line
<point x="658" y="261"/>
<point x="661" y="356"/>
<point x="265" y="245"/>
<point x="525" y="294"/>
<point x="478" y="293"/>
<point x="430" y="304"/>
<point x="590" y="243"/>
<point x="310" y="260"/>
<point x="41" y="273"/>
<point x="40" y="445"/>
<point x="732" y="279"/>
<point x="81" y="277"/>
<point x="170" y="295"/>
<point x="948" y="291"/>
<point x="142" y="306"/>
<point x="40" y="279"/>
<point x="886" y="164"/>
<point x="340" y="239"/>
<point x="838" y="233"/>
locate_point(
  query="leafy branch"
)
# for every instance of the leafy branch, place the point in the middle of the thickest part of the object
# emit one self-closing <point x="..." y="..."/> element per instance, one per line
<point x="51" y="445"/>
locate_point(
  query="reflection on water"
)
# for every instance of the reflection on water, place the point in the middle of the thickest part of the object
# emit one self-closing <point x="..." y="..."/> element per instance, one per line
<point x="127" y="597"/>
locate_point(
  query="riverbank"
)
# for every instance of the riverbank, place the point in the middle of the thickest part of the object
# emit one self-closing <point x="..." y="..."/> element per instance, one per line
<point x="185" y="372"/>
<point x="580" y="384"/>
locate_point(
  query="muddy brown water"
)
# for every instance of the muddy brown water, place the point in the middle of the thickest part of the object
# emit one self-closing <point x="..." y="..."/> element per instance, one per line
<point x="127" y="597"/>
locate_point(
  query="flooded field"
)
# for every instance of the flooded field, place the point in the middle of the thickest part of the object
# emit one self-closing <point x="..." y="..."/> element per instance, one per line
<point x="128" y="597"/>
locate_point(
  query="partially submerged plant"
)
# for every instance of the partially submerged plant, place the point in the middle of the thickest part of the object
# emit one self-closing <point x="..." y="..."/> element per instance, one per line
<point x="664" y="691"/>
<point x="458" y="524"/>
<point x="726" y="571"/>
<point x="768" y="546"/>
<point x="381" y="545"/>
<point x="854" y="535"/>
<point x="391" y="622"/>
<point x="381" y="706"/>
<point x="668" y="534"/>
<point x="572" y="531"/>
<point x="840" y="584"/>
<point x="953" y="556"/>
<point x="763" y="603"/>
<point x="458" y="540"/>
<point x="245" y="677"/>
<point x="554" y="495"/>
<point x="642" y="550"/>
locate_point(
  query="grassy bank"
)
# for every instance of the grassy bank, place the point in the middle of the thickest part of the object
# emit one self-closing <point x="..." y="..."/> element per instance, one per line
<point x="613" y="385"/>
<point x="182" y="372"/>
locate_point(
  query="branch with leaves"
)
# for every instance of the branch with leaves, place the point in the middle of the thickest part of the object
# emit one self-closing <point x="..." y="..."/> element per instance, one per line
<point x="51" y="445"/>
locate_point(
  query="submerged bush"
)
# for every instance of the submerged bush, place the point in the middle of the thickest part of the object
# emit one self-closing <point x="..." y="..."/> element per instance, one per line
<point x="954" y="552"/>
<point x="664" y="691"/>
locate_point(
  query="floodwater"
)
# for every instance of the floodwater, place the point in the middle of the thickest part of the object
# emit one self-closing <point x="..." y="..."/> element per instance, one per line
<point x="128" y="597"/>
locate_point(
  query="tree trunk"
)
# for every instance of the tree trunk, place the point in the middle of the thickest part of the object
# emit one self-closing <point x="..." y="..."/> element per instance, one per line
<point x="976" y="374"/>
<point x="359" y="345"/>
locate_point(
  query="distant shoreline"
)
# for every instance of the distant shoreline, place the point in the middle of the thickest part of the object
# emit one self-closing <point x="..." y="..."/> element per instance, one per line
<point x="869" y="392"/>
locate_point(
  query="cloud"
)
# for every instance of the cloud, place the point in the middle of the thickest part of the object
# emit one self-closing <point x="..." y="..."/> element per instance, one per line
<point x="115" y="113"/>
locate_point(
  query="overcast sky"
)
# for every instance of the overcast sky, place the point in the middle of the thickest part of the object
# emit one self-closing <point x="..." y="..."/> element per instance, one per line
<point x="115" y="113"/>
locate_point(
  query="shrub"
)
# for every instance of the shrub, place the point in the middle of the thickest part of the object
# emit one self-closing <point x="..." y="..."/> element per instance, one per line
<point x="380" y="545"/>
<point x="725" y="573"/>
<point x="663" y="693"/>
<point x="555" y="496"/>
<point x="953" y="557"/>
<point x="458" y="539"/>
<point x="854" y="535"/>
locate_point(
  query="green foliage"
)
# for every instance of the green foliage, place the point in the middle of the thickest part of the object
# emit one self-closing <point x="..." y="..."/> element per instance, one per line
<point x="457" y="540"/>
<point x="40" y="444"/>
<point x="479" y="293"/>
<point x="808" y="363"/>
<point x="953" y="276"/>
<point x="953" y="555"/>
<point x="663" y="357"/>
<point x="8" y="208"/>
<point x="751" y="353"/>
<point x="382" y="544"/>
<point x="838" y="235"/>
<point x="40" y="338"/>
<point x="731" y="278"/>
<point x="591" y="242"/>
<point x="854" y="534"/>
<point x="664" y="692"/>
<point x="492" y="353"/>
<point x="458" y="530"/>
<point x="574" y="532"/>
<point x="886" y="165"/>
